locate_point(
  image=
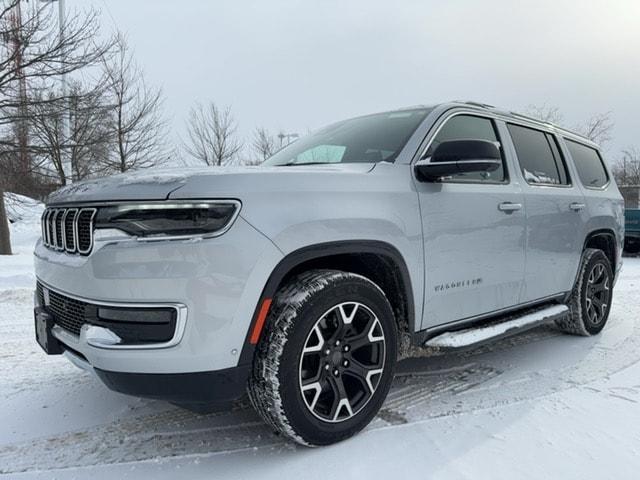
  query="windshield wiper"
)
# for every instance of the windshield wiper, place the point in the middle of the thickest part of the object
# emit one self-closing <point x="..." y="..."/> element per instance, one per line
<point x="291" y="164"/>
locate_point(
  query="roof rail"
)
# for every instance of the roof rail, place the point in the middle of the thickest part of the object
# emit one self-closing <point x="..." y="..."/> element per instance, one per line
<point x="477" y="104"/>
<point x="530" y="118"/>
<point x="549" y="124"/>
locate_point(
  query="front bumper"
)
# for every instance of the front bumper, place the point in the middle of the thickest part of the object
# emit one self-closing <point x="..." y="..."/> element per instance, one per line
<point x="215" y="388"/>
<point x="215" y="284"/>
<point x="198" y="390"/>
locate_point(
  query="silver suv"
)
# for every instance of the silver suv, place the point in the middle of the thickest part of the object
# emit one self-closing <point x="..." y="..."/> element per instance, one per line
<point x="304" y="280"/>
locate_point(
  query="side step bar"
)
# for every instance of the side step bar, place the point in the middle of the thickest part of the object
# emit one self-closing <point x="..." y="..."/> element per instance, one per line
<point x="496" y="330"/>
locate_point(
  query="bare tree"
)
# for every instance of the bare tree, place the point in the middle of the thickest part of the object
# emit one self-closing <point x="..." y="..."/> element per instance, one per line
<point x="627" y="169"/>
<point x="32" y="55"/>
<point x="264" y="144"/>
<point x="212" y="134"/>
<point x="545" y="113"/>
<point x="88" y="140"/>
<point x="136" y="123"/>
<point x="597" y="128"/>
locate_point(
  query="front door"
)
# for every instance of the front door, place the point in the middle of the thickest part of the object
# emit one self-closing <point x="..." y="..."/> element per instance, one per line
<point x="474" y="233"/>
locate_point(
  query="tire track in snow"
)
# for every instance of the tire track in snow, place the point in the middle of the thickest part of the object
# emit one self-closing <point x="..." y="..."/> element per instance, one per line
<point x="178" y="432"/>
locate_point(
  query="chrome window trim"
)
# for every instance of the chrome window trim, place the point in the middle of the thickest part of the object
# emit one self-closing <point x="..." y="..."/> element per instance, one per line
<point x="507" y="117"/>
<point x="181" y="321"/>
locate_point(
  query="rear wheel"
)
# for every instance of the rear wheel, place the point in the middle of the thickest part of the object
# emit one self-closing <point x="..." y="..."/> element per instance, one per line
<point x="590" y="300"/>
<point x="326" y="361"/>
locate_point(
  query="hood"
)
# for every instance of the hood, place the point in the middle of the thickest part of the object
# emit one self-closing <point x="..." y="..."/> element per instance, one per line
<point x="209" y="182"/>
<point x="155" y="185"/>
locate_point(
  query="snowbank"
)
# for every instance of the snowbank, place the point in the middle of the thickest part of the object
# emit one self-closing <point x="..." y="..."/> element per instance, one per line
<point x="21" y="208"/>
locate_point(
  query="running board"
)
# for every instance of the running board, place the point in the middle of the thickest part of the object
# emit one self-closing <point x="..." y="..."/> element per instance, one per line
<point x="496" y="330"/>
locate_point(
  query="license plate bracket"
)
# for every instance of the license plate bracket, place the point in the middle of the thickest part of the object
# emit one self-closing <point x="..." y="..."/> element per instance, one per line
<point x="44" y="323"/>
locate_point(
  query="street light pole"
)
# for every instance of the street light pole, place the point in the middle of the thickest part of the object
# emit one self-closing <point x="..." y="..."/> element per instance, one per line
<point x="65" y="153"/>
<point x="288" y="136"/>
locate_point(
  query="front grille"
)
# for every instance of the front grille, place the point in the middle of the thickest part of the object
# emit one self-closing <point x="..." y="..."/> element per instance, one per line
<point x="68" y="229"/>
<point x="68" y="313"/>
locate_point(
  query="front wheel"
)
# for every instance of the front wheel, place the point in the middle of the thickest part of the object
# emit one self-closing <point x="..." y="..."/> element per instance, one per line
<point x="590" y="300"/>
<point x="326" y="362"/>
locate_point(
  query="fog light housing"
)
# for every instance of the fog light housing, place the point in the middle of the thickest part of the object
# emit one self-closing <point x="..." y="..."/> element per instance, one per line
<point x="138" y="326"/>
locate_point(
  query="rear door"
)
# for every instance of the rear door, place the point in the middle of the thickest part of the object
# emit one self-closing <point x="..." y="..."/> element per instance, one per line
<point x="473" y="229"/>
<point x="556" y="213"/>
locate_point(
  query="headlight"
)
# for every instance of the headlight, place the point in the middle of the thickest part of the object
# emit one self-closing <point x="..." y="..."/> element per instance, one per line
<point x="169" y="219"/>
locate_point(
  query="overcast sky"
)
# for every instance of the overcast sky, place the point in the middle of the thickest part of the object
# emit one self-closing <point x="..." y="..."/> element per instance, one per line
<point x="297" y="65"/>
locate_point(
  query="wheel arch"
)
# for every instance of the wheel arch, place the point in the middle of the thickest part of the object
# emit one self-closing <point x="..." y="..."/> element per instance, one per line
<point x="603" y="239"/>
<point x="379" y="261"/>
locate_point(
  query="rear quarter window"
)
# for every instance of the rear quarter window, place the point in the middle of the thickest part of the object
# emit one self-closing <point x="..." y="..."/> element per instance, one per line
<point x="588" y="163"/>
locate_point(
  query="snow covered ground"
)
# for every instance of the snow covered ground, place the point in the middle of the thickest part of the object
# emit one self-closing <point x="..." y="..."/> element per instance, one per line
<point x="541" y="405"/>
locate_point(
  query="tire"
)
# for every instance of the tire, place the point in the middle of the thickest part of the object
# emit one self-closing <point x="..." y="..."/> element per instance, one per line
<point x="291" y="386"/>
<point x="590" y="300"/>
<point x="632" y="248"/>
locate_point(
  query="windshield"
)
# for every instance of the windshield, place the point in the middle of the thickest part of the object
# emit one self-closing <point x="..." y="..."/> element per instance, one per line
<point x="374" y="138"/>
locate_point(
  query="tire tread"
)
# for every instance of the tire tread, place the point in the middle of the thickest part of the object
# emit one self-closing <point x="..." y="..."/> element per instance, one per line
<point x="264" y="385"/>
<point x="573" y="323"/>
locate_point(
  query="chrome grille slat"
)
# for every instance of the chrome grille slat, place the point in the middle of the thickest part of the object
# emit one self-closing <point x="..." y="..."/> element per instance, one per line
<point x="43" y="224"/>
<point x="58" y="229"/>
<point x="85" y="230"/>
<point x="68" y="229"/>
<point x="50" y="227"/>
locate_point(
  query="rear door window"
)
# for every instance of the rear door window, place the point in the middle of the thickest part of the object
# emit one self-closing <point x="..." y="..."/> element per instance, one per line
<point x="588" y="163"/>
<point x="539" y="156"/>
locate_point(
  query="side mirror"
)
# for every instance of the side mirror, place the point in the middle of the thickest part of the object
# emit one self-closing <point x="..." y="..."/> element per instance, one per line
<point x="459" y="156"/>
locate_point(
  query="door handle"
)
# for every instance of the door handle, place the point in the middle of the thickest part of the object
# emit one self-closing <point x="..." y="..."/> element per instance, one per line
<point x="576" y="207"/>
<point x="509" y="207"/>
